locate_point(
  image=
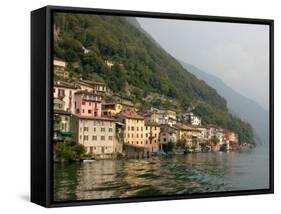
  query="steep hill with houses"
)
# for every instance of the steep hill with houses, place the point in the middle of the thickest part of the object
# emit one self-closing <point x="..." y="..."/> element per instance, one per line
<point x="115" y="51"/>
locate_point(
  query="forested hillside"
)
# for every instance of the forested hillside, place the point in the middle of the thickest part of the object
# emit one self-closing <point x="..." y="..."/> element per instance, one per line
<point x="140" y="69"/>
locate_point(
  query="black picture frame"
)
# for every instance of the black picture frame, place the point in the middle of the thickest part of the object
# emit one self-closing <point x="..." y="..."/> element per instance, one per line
<point x="41" y="102"/>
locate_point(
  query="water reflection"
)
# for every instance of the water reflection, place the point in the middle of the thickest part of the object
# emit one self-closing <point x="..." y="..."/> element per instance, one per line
<point x="193" y="173"/>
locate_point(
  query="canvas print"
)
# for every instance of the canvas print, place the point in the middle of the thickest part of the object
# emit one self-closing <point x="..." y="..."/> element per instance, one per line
<point x="149" y="107"/>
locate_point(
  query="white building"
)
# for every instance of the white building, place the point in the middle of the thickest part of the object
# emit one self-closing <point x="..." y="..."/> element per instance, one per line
<point x="191" y="118"/>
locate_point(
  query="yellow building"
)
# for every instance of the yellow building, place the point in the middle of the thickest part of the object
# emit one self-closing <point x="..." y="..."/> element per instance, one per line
<point x="138" y="133"/>
<point x="152" y="136"/>
<point x="111" y="109"/>
<point x="188" y="133"/>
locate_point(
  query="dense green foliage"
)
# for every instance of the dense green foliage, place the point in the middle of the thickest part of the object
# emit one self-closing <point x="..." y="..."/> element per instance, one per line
<point x="140" y="64"/>
<point x="69" y="151"/>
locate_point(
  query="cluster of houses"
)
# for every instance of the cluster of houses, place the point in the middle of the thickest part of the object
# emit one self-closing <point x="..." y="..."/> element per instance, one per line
<point x="107" y="129"/>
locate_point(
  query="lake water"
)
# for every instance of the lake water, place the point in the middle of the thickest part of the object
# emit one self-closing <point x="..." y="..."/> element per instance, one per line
<point x="179" y="174"/>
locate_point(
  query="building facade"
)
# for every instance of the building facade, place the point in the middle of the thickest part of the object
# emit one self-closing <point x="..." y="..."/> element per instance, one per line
<point x="138" y="133"/>
<point x="65" y="92"/>
<point x="87" y="104"/>
<point x="94" y="86"/>
<point x="61" y="121"/>
<point x="60" y="68"/>
<point x="111" y="109"/>
<point x="98" y="135"/>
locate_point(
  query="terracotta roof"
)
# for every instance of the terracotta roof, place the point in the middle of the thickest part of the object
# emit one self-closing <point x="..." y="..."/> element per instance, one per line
<point x="96" y="118"/>
<point x="64" y="84"/>
<point x="131" y="115"/>
<point x="185" y="127"/>
<point x="152" y="124"/>
<point x="62" y="112"/>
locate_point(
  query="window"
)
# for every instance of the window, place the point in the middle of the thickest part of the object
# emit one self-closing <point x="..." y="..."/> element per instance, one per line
<point x="146" y="135"/>
<point x="102" y="138"/>
<point x="83" y="103"/>
<point x="128" y="128"/>
<point x="94" y="138"/>
<point x="110" y="138"/>
<point x="137" y="128"/>
<point x="94" y="129"/>
<point x="83" y="111"/>
<point x="128" y="135"/>
<point x="137" y="142"/>
<point x="89" y="111"/>
<point x="102" y="129"/>
<point x="86" y="129"/>
<point x="132" y="128"/>
<point x="141" y="135"/>
<point x="95" y="113"/>
<point x="146" y="142"/>
<point x="110" y="129"/>
<point x="102" y="123"/>
<point x="137" y="135"/>
<point x="61" y="92"/>
<point x="54" y="90"/>
<point x="91" y="149"/>
<point x="77" y="111"/>
<point x="164" y="139"/>
<point x="154" y="141"/>
<point x="85" y="137"/>
<point x="141" y="128"/>
<point x="155" y="128"/>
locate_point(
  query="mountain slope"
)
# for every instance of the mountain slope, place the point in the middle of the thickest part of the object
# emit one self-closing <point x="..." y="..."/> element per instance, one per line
<point x="237" y="103"/>
<point x="141" y="68"/>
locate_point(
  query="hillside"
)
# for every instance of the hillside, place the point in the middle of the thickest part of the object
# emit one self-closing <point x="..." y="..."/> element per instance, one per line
<point x="237" y="103"/>
<point x="140" y="68"/>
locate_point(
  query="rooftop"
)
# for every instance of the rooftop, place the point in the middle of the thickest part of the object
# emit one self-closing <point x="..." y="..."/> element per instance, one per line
<point x="62" y="112"/>
<point x="65" y="84"/>
<point x="131" y="115"/>
<point x="185" y="127"/>
<point x="96" y="118"/>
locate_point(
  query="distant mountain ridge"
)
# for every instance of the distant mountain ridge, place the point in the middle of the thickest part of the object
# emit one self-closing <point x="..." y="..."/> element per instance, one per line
<point x="240" y="105"/>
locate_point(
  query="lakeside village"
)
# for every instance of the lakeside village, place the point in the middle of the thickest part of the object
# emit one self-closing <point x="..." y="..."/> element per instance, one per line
<point x="119" y="130"/>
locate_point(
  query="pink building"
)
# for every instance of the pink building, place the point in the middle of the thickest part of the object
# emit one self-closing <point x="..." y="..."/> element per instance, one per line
<point x="87" y="104"/>
<point x="65" y="92"/>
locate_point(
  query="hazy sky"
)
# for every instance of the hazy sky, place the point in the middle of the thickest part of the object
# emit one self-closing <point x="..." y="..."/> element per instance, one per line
<point x="236" y="53"/>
